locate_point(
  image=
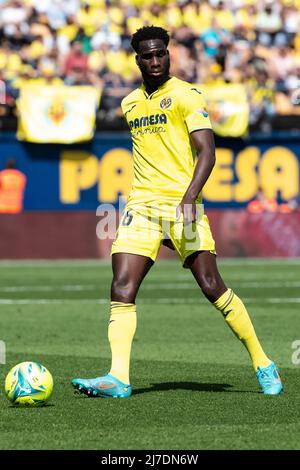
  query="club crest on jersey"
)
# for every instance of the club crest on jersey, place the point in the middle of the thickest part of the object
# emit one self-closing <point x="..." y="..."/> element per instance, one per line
<point x="202" y="111"/>
<point x="165" y="103"/>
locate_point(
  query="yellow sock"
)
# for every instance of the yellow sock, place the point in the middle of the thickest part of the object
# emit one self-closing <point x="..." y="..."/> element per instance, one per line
<point x="236" y="316"/>
<point x="121" y="329"/>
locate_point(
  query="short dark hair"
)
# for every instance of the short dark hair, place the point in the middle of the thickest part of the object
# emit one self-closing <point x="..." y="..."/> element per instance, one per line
<point x="149" y="32"/>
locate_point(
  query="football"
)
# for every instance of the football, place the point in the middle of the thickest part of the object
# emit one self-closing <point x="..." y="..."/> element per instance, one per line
<point x="29" y="384"/>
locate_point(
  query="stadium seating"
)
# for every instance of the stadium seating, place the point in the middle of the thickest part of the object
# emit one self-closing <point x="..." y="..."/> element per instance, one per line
<point x="88" y="42"/>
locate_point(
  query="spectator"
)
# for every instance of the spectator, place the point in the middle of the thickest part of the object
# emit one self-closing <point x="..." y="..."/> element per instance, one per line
<point x="281" y="64"/>
<point x="12" y="15"/>
<point x="268" y="24"/>
<point x="291" y="21"/>
<point x="82" y="41"/>
<point x="12" y="187"/>
<point x="262" y="204"/>
<point x="76" y="59"/>
<point x="261" y="100"/>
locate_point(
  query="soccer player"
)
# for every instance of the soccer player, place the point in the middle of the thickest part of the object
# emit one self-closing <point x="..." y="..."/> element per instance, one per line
<point x="174" y="154"/>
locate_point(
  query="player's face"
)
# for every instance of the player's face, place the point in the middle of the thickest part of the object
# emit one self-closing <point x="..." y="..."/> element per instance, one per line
<point x="153" y="60"/>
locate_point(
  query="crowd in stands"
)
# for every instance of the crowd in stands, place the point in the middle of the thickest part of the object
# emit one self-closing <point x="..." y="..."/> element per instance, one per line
<point x="254" y="42"/>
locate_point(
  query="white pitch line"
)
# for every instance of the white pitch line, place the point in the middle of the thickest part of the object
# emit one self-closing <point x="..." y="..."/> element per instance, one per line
<point x="258" y="261"/>
<point x="264" y="284"/>
<point x="97" y="263"/>
<point x="52" y="301"/>
<point x="55" y="263"/>
<point x="148" y="286"/>
<point x="157" y="276"/>
<point x="191" y="285"/>
<point x="163" y="300"/>
<point x="249" y="300"/>
<point x="48" y="288"/>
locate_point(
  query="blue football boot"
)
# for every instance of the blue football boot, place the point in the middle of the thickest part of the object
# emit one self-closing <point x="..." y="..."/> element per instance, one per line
<point x="269" y="379"/>
<point x="106" y="386"/>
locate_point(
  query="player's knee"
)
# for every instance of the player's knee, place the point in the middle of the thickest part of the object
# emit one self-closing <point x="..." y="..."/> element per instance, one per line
<point x="123" y="290"/>
<point x="209" y="286"/>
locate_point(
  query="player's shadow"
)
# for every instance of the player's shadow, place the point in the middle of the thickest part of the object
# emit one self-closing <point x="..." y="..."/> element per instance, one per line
<point x="194" y="386"/>
<point x="22" y="407"/>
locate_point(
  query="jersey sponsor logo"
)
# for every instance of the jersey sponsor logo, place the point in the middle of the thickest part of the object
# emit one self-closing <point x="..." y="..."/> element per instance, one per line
<point x="148" y="130"/>
<point x="165" y="103"/>
<point x="202" y="111"/>
<point x="145" y="121"/>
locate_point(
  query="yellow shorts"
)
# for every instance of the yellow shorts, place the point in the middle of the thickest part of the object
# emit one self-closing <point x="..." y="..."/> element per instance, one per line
<point x="141" y="235"/>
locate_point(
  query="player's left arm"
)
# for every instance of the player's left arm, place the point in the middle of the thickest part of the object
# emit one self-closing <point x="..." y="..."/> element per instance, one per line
<point x="203" y="141"/>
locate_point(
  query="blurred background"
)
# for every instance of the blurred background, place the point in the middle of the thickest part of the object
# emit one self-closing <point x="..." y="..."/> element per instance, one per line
<point x="65" y="66"/>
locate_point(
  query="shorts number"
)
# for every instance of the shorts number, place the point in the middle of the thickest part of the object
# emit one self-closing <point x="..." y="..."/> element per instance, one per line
<point x="127" y="219"/>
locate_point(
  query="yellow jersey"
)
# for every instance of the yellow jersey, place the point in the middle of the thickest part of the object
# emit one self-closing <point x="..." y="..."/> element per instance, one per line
<point x="163" y="155"/>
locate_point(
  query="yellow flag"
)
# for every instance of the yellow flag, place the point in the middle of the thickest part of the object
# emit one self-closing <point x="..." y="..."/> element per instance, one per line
<point x="57" y="113"/>
<point x="228" y="108"/>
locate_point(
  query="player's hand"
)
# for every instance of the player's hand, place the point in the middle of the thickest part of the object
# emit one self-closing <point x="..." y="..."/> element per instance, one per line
<point x="188" y="208"/>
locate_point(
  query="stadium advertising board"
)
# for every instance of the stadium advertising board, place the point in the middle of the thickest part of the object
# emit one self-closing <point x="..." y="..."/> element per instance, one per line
<point x="82" y="176"/>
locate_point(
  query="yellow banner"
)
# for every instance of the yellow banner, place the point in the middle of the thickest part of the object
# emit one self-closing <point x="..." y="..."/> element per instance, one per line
<point x="228" y="108"/>
<point x="57" y="114"/>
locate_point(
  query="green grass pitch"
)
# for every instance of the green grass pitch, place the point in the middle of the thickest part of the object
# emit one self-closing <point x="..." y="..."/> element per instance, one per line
<point x="194" y="387"/>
